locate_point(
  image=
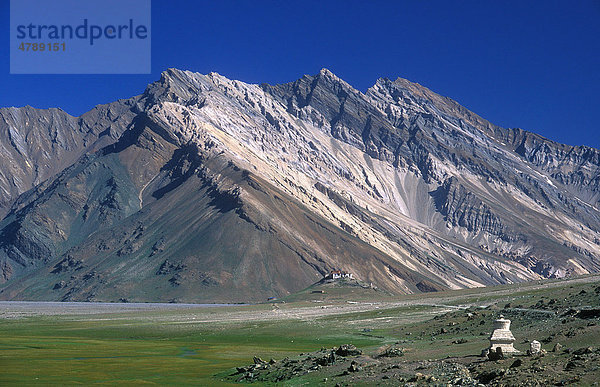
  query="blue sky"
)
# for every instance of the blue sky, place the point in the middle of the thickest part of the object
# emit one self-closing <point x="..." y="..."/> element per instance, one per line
<point x="528" y="64"/>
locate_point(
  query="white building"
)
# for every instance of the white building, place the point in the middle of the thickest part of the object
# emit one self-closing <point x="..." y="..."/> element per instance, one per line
<point x="502" y="336"/>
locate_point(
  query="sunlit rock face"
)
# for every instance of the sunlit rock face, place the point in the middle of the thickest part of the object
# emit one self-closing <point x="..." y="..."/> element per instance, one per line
<point x="210" y="189"/>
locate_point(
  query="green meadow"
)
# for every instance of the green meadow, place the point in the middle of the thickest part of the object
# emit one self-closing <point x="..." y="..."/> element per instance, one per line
<point x="136" y="349"/>
<point x="202" y="346"/>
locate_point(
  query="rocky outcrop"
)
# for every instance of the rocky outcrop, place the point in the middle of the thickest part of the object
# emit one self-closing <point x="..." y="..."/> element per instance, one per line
<point x="462" y="208"/>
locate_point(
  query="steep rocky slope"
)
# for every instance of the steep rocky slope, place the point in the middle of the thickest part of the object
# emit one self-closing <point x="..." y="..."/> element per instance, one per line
<point x="36" y="144"/>
<point x="205" y="189"/>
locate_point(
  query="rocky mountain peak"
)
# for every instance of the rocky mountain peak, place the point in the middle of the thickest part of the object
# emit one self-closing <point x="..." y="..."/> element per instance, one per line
<point x="262" y="189"/>
<point x="328" y="76"/>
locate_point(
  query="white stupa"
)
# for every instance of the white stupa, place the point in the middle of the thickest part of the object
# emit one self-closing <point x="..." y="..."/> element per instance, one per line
<point x="502" y="336"/>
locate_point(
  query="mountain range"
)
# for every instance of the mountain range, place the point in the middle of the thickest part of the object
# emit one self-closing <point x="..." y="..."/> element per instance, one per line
<point x="206" y="189"/>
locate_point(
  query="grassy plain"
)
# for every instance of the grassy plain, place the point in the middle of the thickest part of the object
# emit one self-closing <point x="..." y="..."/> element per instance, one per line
<point x="202" y="346"/>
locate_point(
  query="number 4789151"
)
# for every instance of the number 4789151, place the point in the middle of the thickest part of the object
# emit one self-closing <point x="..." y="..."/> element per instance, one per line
<point x="42" y="46"/>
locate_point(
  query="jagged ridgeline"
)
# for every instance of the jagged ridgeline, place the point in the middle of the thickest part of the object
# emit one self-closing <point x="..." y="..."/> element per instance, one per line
<point x="209" y="189"/>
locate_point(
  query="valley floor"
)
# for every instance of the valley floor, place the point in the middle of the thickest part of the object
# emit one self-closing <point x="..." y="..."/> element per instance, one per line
<point x="424" y="339"/>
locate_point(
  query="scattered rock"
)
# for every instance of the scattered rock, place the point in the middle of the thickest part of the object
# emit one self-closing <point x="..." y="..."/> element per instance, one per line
<point x="583" y="351"/>
<point x="487" y="376"/>
<point x="92" y="274"/>
<point x="496" y="355"/>
<point x="571" y="365"/>
<point x="59" y="285"/>
<point x="241" y="370"/>
<point x="557" y="347"/>
<point x="548" y="339"/>
<point x="167" y="268"/>
<point x="158" y="247"/>
<point x="535" y="347"/>
<point x="418" y="376"/>
<point x="588" y="313"/>
<point x="348" y="350"/>
<point x="67" y="264"/>
<point x="354" y="367"/>
<point x="325" y="360"/>
<point x="392" y="352"/>
<point x="176" y="280"/>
